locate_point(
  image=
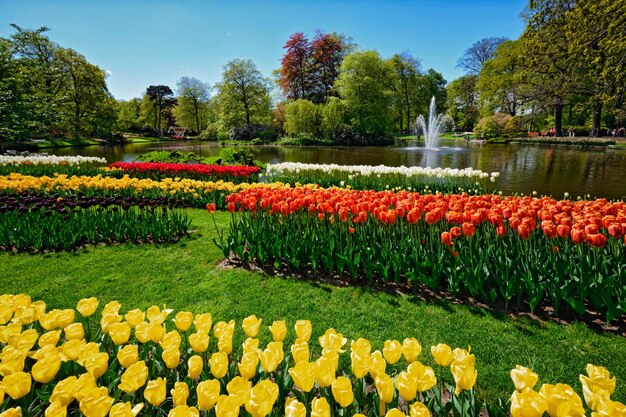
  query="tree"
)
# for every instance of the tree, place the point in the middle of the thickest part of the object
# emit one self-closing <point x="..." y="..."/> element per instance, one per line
<point x="480" y="52"/>
<point x="365" y="83"/>
<point x="162" y="97"/>
<point x="463" y="102"/>
<point x="326" y="56"/>
<point x="407" y="70"/>
<point x="432" y="84"/>
<point x="243" y="95"/>
<point x="302" y="118"/>
<point x="333" y="116"/>
<point x="129" y="114"/>
<point x="295" y="79"/>
<point x="193" y="99"/>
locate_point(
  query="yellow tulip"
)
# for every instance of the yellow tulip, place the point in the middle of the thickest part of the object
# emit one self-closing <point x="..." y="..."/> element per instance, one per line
<point x="180" y="393"/>
<point x="128" y="355"/>
<point x="362" y="347"/>
<point x="394" y="412"/>
<point x="134" y="377"/>
<point x="270" y="358"/>
<point x="303" y="330"/>
<point x="74" y="331"/>
<point x="325" y="371"/>
<point x="12" y="412"/>
<point x="528" y="403"/>
<point x="155" y="391"/>
<point x="83" y="385"/>
<point x="225" y="343"/>
<point x="411" y="349"/>
<point x="332" y="340"/>
<point x="239" y="387"/>
<point x="16" y="385"/>
<point x="278" y="330"/>
<point x="248" y="364"/>
<point x="320" y="408"/>
<point x="65" y="317"/>
<point x="442" y="354"/>
<point x="6" y="312"/>
<point x="464" y="375"/>
<point x="219" y="364"/>
<point x="597" y="385"/>
<point x="108" y="320"/>
<point x="46" y="368"/>
<point x="119" y="333"/>
<point x="418" y="409"/>
<point x="222" y="328"/>
<point x="183" y="320"/>
<point x="425" y="376"/>
<point x="303" y="375"/>
<point x="203" y="322"/>
<point x="608" y="408"/>
<point x="112" y="307"/>
<point x="156" y="331"/>
<point x="406" y="384"/>
<point x="251" y="325"/>
<point x="134" y="317"/>
<point x="384" y="386"/>
<point x="142" y="332"/>
<point x="377" y="364"/>
<point x="251" y="344"/>
<point x="171" y="358"/>
<point x="262" y="398"/>
<point x="96" y="402"/>
<point x="294" y="408"/>
<point x="195" y="365"/>
<point x="49" y="338"/>
<point x="183" y="411"/>
<point x="227" y="406"/>
<point x="359" y="364"/>
<point x="56" y="409"/>
<point x="24" y="315"/>
<point x="342" y="391"/>
<point x="562" y="400"/>
<point x="208" y="393"/>
<point x="125" y="410"/>
<point x="97" y="364"/>
<point x="523" y="378"/>
<point x="392" y="351"/>
<point x="25" y="340"/>
<point x="171" y="340"/>
<point x="157" y="316"/>
<point x="87" y="306"/>
<point x="63" y="391"/>
<point x="11" y="329"/>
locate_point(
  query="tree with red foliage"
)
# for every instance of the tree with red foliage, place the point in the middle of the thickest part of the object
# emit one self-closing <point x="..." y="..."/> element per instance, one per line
<point x="326" y="55"/>
<point x="295" y="69"/>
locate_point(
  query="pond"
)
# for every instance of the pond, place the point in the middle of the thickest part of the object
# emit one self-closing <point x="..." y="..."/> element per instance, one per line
<point x="524" y="168"/>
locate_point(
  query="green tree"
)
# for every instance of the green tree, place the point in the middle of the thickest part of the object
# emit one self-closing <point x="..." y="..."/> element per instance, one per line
<point x="463" y="102"/>
<point x="243" y="95"/>
<point x="302" y="118"/>
<point x="333" y="116"/>
<point x="129" y="115"/>
<point x="162" y="98"/>
<point x="193" y="99"/>
<point x="365" y="83"/>
<point x="406" y="91"/>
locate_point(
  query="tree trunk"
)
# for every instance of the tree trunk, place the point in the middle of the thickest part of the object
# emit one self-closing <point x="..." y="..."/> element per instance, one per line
<point x="558" y="119"/>
<point x="77" y="121"/>
<point x="159" y="119"/>
<point x="197" y="118"/>
<point x="597" y="118"/>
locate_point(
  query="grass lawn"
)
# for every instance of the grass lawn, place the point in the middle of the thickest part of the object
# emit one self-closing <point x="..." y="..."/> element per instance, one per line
<point x="187" y="275"/>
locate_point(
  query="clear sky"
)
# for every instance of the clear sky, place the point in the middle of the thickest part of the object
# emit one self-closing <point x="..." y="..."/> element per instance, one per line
<point x="156" y="42"/>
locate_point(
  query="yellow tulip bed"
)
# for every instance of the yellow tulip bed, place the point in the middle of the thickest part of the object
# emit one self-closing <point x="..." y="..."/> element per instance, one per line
<point x="188" y="191"/>
<point x="56" y="362"/>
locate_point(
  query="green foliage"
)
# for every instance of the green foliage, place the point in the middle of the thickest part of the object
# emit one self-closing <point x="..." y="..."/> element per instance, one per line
<point x="236" y="156"/>
<point x="492" y="126"/>
<point x="193" y="102"/>
<point x="302" y="118"/>
<point x="169" y="156"/>
<point x="333" y="117"/>
<point x="463" y="102"/>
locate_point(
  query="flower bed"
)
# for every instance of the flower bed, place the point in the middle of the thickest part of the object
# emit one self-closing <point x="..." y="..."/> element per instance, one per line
<point x="57" y="362"/>
<point x="366" y="177"/>
<point x="39" y="159"/>
<point x="160" y="170"/>
<point x="186" y="192"/>
<point x="68" y="225"/>
<point x="516" y="249"/>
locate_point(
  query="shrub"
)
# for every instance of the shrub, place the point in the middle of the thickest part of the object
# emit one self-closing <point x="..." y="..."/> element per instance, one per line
<point x="252" y="131"/>
<point x="302" y="118"/>
<point x="492" y="126"/>
<point x="348" y="135"/>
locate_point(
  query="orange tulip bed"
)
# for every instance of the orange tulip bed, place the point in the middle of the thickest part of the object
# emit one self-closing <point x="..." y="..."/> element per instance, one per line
<point x="125" y="363"/>
<point x="520" y="251"/>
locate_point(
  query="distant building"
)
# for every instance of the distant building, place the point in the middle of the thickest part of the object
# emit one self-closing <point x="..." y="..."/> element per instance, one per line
<point x="177" y="132"/>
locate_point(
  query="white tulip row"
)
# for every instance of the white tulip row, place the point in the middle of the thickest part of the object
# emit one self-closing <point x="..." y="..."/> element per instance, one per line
<point x="49" y="160"/>
<point x="369" y="170"/>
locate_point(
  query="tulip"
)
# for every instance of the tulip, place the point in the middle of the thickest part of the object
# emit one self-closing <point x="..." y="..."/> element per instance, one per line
<point x="392" y="351"/>
<point x="171" y="340"/>
<point x="183" y="320"/>
<point x="63" y="391"/>
<point x="528" y="403"/>
<point x="384" y="386"/>
<point x="134" y="317"/>
<point x="227" y="406"/>
<point x="251" y="344"/>
<point x="183" y="411"/>
<point x="24" y="315"/>
<point x="262" y="398"/>
<point x="112" y="307"/>
<point x="180" y="393"/>
<point x="195" y="365"/>
<point x="300" y="350"/>
<point x="278" y="330"/>
<point x="294" y="408"/>
<point x="96" y="402"/>
<point x="65" y="317"/>
<point x="377" y="364"/>
<point x="523" y="378"/>
<point x="419" y="409"/>
<point x="125" y="410"/>
<point x="320" y="408"/>
<point x="87" y="306"/>
<point x="394" y="412"/>
<point x="361" y="347"/>
<point x="134" y="377"/>
<point x="12" y="412"/>
<point x="303" y="330"/>
<point x="442" y="354"/>
<point x="608" y="408"/>
<point x="155" y="392"/>
<point x="199" y="341"/>
<point x="331" y="340"/>
<point x="219" y="364"/>
<point x="97" y="364"/>
<point x="425" y="376"/>
<point x="156" y="315"/>
<point x="203" y="322"/>
<point x="83" y="385"/>
<point x="225" y="343"/>
<point x="142" y="332"/>
<point x="248" y="365"/>
<point x="55" y="409"/>
<point x="119" y="333"/>
<point x="251" y="325"/>
<point x="325" y="371"/>
<point x="74" y="331"/>
<point x="411" y="349"/>
<point x="16" y="385"/>
<point x="303" y="375"/>
<point x="128" y="355"/>
<point x="46" y="368"/>
<point x="208" y="393"/>
<point x="342" y="391"/>
<point x="108" y="320"/>
<point x="360" y="364"/>
<point x="239" y="387"/>
<point x="562" y="400"/>
<point x="464" y="375"/>
<point x="406" y="384"/>
<point x="171" y="357"/>
<point x="597" y="386"/>
<point x="49" y="338"/>
<point x="156" y="332"/>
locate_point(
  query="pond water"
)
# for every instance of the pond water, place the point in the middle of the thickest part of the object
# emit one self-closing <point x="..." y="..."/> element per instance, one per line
<point x="550" y="170"/>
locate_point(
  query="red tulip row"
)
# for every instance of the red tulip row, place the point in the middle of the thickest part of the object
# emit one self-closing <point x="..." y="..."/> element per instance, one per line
<point x="195" y="171"/>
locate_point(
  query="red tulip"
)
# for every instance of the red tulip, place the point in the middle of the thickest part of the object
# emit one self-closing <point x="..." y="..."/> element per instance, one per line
<point x="469" y="229"/>
<point x="446" y="239"/>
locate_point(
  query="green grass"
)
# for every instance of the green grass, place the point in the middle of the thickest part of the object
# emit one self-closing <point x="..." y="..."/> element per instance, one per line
<point x="48" y="144"/>
<point x="187" y="275"/>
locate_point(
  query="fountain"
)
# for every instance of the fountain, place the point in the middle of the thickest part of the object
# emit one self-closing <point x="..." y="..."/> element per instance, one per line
<point x="433" y="128"/>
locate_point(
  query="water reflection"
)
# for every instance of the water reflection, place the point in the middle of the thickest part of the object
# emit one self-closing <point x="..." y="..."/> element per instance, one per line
<point x="524" y="168"/>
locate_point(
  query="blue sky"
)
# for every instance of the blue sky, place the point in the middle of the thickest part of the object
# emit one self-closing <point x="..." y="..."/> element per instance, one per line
<point x="156" y="42"/>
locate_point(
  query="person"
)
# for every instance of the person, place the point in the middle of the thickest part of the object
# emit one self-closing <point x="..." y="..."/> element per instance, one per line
<point x="573" y="132"/>
<point x="570" y="132"/>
